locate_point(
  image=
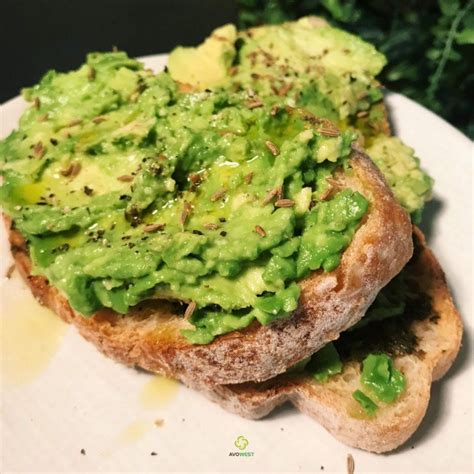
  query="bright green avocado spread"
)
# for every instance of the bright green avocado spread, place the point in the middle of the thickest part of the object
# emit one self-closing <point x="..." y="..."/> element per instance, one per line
<point x="309" y="64"/>
<point x="127" y="189"/>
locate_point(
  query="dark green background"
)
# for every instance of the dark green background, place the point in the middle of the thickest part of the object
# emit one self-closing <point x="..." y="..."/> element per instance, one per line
<point x="428" y="42"/>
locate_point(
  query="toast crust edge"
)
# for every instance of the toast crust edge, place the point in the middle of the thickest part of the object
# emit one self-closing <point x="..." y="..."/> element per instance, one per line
<point x="328" y="403"/>
<point x="149" y="336"/>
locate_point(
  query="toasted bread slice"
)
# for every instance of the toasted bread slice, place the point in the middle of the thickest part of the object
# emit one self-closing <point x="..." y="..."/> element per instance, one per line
<point x="438" y="339"/>
<point x="149" y="336"/>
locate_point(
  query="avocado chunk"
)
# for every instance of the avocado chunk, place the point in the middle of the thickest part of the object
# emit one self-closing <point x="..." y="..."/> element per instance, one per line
<point x="206" y="65"/>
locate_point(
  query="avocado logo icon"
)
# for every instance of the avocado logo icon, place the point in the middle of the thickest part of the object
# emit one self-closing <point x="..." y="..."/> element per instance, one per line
<point x="241" y="442"/>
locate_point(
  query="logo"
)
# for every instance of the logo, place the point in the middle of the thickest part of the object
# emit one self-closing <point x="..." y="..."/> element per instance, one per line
<point x="241" y="443"/>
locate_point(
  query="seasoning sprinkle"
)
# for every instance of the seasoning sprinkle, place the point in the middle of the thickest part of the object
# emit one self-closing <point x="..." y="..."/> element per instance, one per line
<point x="190" y="310"/>
<point x="72" y="170"/>
<point x="91" y="73"/>
<point x="260" y="231"/>
<point x="125" y="178"/>
<point x="350" y="464"/>
<point x="74" y="122"/>
<point x="279" y="191"/>
<point x="329" y="132"/>
<point x="89" y="191"/>
<point x="218" y="194"/>
<point x="153" y="228"/>
<point x="10" y="271"/>
<point x="185" y="213"/>
<point x="43" y="118"/>
<point x="99" y="119"/>
<point x="248" y="177"/>
<point x="284" y="203"/>
<point x="272" y="147"/>
<point x="269" y="197"/>
<point x="37" y="103"/>
<point x="39" y="150"/>
<point x="284" y="89"/>
<point x="210" y="226"/>
<point x="254" y="104"/>
<point x="362" y="113"/>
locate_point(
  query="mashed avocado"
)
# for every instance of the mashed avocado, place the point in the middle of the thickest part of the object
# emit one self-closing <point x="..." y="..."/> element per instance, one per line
<point x="322" y="69"/>
<point x="126" y="189"/>
<point x="326" y="70"/>
<point x="401" y="168"/>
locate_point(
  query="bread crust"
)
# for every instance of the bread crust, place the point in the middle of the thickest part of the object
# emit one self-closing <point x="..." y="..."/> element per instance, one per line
<point x="331" y="403"/>
<point x="149" y="336"/>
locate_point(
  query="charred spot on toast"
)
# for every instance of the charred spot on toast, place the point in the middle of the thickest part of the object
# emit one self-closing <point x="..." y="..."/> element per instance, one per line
<point x="393" y="336"/>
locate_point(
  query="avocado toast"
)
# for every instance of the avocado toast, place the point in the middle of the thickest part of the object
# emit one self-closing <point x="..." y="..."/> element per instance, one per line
<point x="263" y="230"/>
<point x="412" y="332"/>
<point x="422" y="340"/>
<point x="150" y="334"/>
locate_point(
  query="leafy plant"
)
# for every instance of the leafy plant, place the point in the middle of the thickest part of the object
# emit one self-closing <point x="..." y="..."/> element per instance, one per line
<point x="428" y="44"/>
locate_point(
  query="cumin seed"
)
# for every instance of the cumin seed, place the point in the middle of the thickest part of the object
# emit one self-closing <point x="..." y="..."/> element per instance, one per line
<point x="99" y="119"/>
<point x="91" y="73"/>
<point x="350" y="464"/>
<point x="362" y="113"/>
<point x="190" y="310"/>
<point x="254" y="104"/>
<point x="126" y="178"/>
<point x="284" y="89"/>
<point x="248" y="177"/>
<point x="260" y="231"/>
<point x="210" y="226"/>
<point x="218" y="194"/>
<point x="272" y="147"/>
<point x="329" y="132"/>
<point x="39" y="150"/>
<point x="74" y="122"/>
<point x="153" y="228"/>
<point x="284" y="203"/>
<point x="269" y="197"/>
<point x="185" y="213"/>
<point x="72" y="170"/>
<point x="10" y="271"/>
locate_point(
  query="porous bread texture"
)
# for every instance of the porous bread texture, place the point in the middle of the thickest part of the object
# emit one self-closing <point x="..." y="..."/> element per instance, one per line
<point x="149" y="335"/>
<point x="331" y="403"/>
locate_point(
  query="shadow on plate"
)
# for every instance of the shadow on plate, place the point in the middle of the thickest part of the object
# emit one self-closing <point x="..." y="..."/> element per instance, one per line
<point x="429" y="219"/>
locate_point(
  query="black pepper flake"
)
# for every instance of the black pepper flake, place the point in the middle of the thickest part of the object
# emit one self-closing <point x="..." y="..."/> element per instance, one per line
<point x="223" y="233"/>
<point x="153" y="453"/>
<point x="125" y="197"/>
<point x="53" y="141"/>
<point x="88" y="190"/>
<point x="222" y="219"/>
<point x="61" y="248"/>
<point x="83" y="451"/>
<point x="197" y="232"/>
<point x="131" y="245"/>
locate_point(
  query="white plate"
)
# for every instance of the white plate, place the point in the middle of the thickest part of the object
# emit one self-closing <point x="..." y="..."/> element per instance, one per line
<point x="59" y="395"/>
